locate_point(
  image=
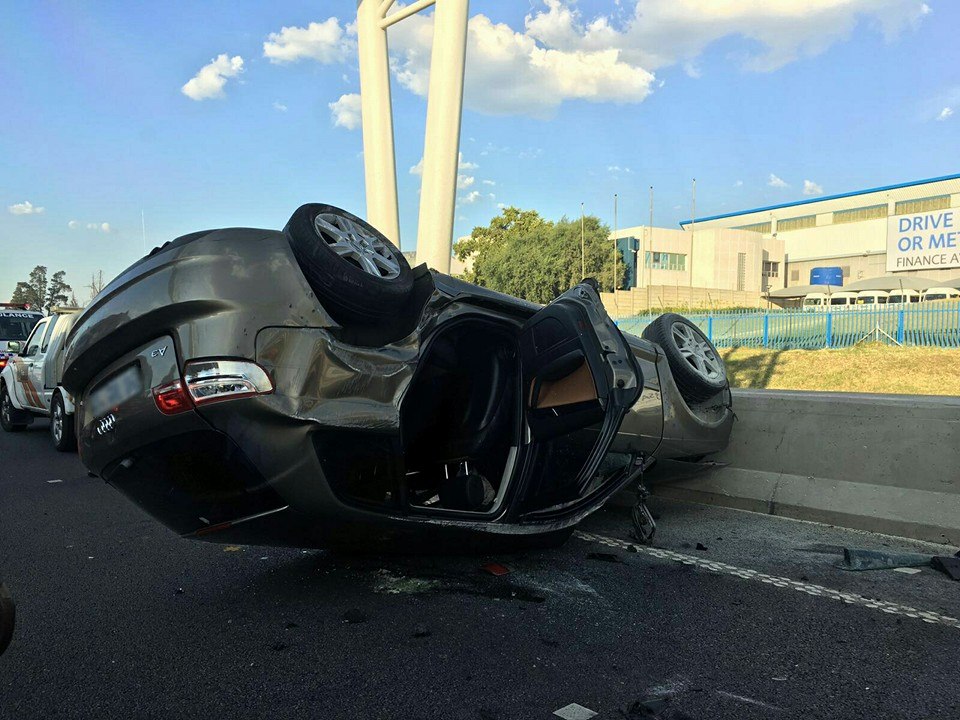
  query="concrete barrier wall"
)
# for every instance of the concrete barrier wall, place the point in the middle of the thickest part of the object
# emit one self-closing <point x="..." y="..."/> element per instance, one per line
<point x="884" y="463"/>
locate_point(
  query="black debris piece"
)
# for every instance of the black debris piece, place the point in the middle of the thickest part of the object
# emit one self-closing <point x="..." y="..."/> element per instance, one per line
<point x="701" y="546"/>
<point x="178" y="591"/>
<point x="278" y="646"/>
<point x="950" y="566"/>
<point x="421" y="632"/>
<point x="290" y="626"/>
<point x="860" y="559"/>
<point x="354" y="616"/>
<point x="604" y="557"/>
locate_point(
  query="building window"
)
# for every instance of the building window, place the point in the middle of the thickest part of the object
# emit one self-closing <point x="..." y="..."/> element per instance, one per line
<point x="763" y="228"/>
<point x="935" y="202"/>
<point x="771" y="269"/>
<point x="794" y="276"/>
<point x="741" y="271"/>
<point x="796" y="223"/>
<point x="665" y="261"/>
<point x="861" y="213"/>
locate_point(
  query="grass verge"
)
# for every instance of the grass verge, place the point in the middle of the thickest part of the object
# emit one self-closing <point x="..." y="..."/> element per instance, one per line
<point x="873" y="368"/>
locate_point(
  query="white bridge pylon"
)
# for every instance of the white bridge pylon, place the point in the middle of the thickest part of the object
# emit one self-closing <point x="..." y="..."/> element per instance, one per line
<point x="441" y="146"/>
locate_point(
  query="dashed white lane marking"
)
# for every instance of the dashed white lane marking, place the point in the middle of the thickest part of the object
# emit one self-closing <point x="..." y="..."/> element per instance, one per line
<point x="804" y="587"/>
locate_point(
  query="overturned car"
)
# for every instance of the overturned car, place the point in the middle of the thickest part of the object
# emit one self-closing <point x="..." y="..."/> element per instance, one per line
<point x="308" y="388"/>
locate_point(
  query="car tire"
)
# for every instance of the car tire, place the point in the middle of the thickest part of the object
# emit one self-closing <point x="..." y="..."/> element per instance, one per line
<point x="697" y="367"/>
<point x="356" y="272"/>
<point x="61" y="426"/>
<point x="8" y="413"/>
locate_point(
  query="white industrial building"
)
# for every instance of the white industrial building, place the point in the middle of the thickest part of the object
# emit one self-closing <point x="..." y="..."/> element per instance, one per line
<point x="911" y="228"/>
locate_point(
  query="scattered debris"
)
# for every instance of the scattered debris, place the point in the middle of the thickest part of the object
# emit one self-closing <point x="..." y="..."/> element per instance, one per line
<point x="354" y="616"/>
<point x="860" y="559"/>
<point x="573" y="711"/>
<point x="748" y="701"/>
<point x="496" y="569"/>
<point x="701" y="546"/>
<point x="950" y="566"/>
<point x="178" y="591"/>
<point x="51" y="482"/>
<point x="908" y="571"/>
<point x="604" y="557"/>
<point x="421" y="632"/>
<point x="232" y="548"/>
<point x="290" y="626"/>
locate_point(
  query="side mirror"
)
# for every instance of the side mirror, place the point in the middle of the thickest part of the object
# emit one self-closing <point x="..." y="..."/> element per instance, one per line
<point x="13" y="346"/>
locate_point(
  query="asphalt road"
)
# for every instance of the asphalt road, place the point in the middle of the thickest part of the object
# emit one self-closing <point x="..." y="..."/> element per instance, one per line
<point x="119" y="618"/>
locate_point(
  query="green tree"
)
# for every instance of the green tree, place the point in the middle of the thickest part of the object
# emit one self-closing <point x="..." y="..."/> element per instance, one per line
<point x="34" y="290"/>
<point x="522" y="254"/>
<point x="57" y="291"/>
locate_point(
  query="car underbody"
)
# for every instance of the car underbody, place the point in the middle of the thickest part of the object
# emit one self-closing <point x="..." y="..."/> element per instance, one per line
<point x="226" y="395"/>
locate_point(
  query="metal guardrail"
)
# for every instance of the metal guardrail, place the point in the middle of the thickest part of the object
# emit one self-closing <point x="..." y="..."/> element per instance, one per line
<point x="934" y="324"/>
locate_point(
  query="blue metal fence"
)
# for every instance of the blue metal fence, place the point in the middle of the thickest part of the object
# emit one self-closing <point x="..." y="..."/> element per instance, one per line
<point x="934" y="324"/>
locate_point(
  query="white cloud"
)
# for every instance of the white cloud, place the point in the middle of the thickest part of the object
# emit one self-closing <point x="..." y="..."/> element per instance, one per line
<point x="99" y="227"/>
<point x="464" y="181"/>
<point x="811" y="188"/>
<point x="25" y="208"/>
<point x="73" y="224"/>
<point x="326" y="42"/>
<point x="618" y="169"/>
<point x="210" y="79"/>
<point x="660" y="33"/>
<point x="945" y="113"/>
<point x="280" y="107"/>
<point x="470" y="198"/>
<point x="510" y="72"/>
<point x="346" y="111"/>
<point x="560" y="55"/>
<point x="738" y="183"/>
<point x="489" y="182"/>
<point x="777" y="182"/>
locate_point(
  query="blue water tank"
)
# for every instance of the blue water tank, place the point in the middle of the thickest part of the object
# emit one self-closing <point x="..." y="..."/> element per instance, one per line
<point x="826" y="276"/>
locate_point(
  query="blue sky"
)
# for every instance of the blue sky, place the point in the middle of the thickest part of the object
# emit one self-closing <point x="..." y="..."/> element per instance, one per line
<point x="566" y="103"/>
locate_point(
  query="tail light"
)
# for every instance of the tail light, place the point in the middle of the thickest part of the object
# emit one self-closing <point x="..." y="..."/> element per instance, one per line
<point x="172" y="398"/>
<point x="209" y="381"/>
<point x="214" y="380"/>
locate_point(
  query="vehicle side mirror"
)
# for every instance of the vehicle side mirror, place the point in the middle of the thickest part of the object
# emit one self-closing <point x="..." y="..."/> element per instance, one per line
<point x="13" y="346"/>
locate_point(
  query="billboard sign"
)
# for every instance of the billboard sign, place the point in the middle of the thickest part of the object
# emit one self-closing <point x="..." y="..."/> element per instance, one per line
<point x="826" y="276"/>
<point x="927" y="240"/>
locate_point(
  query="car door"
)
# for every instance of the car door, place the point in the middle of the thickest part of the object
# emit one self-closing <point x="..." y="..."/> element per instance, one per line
<point x="37" y="370"/>
<point x="579" y="379"/>
<point x="27" y="393"/>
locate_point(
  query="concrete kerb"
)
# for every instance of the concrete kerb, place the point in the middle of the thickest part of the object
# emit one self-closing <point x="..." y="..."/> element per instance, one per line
<point x="883" y="463"/>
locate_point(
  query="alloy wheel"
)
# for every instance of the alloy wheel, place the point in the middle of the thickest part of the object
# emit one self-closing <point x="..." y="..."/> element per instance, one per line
<point x="696" y="350"/>
<point x="56" y="425"/>
<point x="357" y="245"/>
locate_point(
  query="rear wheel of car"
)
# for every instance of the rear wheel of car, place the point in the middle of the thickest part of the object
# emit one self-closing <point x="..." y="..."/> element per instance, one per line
<point x="356" y="272"/>
<point x="697" y="367"/>
<point x="8" y="413"/>
<point x="61" y="426"/>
